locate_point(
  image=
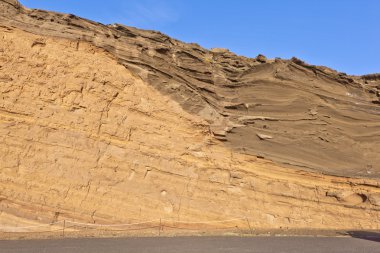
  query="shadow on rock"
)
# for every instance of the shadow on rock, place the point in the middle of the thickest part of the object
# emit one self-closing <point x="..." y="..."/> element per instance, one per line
<point x="366" y="235"/>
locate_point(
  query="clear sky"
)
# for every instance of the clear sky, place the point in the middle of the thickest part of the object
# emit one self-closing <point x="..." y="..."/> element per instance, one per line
<point x="342" y="34"/>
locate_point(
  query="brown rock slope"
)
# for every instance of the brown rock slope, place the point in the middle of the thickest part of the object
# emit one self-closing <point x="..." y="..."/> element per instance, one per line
<point x="319" y="119"/>
<point x="111" y="124"/>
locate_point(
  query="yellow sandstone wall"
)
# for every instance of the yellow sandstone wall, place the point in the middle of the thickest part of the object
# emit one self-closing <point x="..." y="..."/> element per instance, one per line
<point x="81" y="138"/>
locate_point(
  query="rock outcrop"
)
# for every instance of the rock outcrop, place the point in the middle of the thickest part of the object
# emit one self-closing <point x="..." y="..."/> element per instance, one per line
<point x="111" y="124"/>
<point x="336" y="115"/>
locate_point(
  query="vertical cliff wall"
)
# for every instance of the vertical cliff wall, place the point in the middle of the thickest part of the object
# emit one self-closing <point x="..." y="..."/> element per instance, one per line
<point x="84" y="136"/>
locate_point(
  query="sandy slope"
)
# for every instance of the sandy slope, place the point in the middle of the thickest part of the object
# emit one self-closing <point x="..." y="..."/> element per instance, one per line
<point x="98" y="129"/>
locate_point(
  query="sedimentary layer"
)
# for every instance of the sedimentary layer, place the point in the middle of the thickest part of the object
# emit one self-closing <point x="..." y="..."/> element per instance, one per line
<point x="111" y="124"/>
<point x="318" y="119"/>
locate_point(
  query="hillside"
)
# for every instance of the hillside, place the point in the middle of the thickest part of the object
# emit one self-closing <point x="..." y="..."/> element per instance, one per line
<point x="112" y="124"/>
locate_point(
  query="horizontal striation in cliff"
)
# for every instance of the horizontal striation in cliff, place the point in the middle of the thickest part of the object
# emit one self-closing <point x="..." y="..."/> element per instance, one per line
<point x="112" y="124"/>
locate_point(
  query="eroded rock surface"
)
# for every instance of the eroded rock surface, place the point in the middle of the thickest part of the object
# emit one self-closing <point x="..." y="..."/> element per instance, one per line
<point x="113" y="124"/>
<point x="322" y="120"/>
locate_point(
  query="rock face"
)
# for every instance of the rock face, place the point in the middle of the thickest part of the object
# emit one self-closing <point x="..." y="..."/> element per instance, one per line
<point x="113" y="124"/>
<point x="321" y="120"/>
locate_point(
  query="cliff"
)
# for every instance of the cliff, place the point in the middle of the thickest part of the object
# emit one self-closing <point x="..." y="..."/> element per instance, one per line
<point x="112" y="124"/>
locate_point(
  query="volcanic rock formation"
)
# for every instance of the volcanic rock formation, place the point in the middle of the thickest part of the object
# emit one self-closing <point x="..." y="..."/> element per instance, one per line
<point x="111" y="124"/>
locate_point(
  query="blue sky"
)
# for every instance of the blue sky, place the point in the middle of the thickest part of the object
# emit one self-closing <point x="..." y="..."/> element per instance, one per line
<point x="342" y="34"/>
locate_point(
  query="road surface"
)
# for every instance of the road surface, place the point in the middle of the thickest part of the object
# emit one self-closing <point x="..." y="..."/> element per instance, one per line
<point x="197" y="244"/>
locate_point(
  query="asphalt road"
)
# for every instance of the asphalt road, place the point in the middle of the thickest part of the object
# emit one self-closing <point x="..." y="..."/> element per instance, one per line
<point x="197" y="244"/>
